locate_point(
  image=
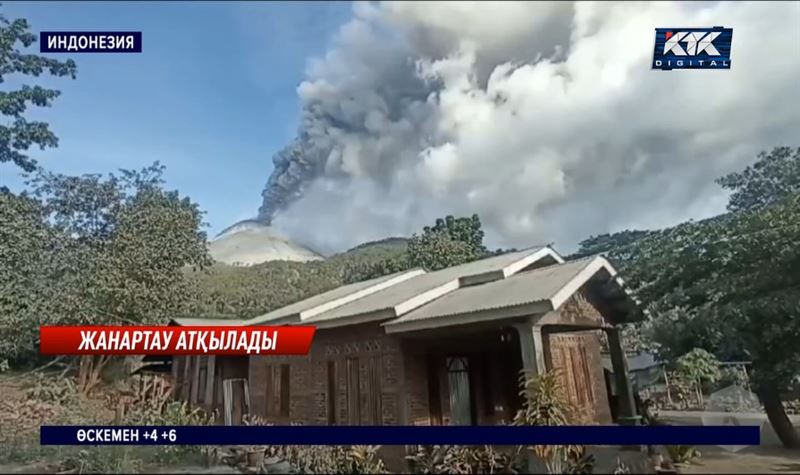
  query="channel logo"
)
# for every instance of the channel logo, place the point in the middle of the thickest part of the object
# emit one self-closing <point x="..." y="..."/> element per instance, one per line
<point x="693" y="48"/>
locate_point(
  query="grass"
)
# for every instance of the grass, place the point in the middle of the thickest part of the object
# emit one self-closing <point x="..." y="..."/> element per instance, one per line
<point x="19" y="436"/>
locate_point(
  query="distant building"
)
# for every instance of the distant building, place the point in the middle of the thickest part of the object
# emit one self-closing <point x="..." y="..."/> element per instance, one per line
<point x="643" y="369"/>
<point x="424" y="348"/>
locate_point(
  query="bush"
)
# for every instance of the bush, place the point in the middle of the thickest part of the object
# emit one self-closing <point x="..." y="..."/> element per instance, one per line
<point x="338" y="459"/>
<point x="732" y="376"/>
<point x="45" y="388"/>
<point x="682" y="453"/>
<point x="174" y="413"/>
<point x="102" y="459"/>
<point x="460" y="459"/>
<point x="545" y="403"/>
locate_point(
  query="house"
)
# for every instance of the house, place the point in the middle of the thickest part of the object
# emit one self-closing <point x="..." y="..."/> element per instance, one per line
<point x="643" y="369"/>
<point x="425" y="348"/>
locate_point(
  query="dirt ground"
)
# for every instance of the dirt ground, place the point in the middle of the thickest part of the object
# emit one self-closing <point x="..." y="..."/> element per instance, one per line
<point x="769" y="457"/>
<point x="749" y="460"/>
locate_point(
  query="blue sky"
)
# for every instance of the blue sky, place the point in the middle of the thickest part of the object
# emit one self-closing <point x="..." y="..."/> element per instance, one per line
<point x="212" y="96"/>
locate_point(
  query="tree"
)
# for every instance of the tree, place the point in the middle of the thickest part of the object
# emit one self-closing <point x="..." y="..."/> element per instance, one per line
<point x="729" y="284"/>
<point x="609" y="243"/>
<point x="113" y="251"/>
<point x="18" y="134"/>
<point x="451" y="241"/>
<point x="245" y="292"/>
<point x="774" y="177"/>
<point x="734" y="280"/>
<point x="27" y="282"/>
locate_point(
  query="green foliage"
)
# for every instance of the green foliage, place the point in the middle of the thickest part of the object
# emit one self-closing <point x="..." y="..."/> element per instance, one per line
<point x="244" y="292"/>
<point x="93" y="250"/>
<point x="683" y="454"/>
<point x="371" y="260"/>
<point x="609" y="243"/>
<point x="102" y="459"/>
<point x="224" y="291"/>
<point x="451" y="241"/>
<point x="773" y="178"/>
<point x="46" y="388"/>
<point x="27" y="272"/>
<point x="362" y="459"/>
<point x="380" y="246"/>
<point x="337" y="459"/>
<point x="732" y="376"/>
<point x="732" y="281"/>
<point x="17" y="134"/>
<point x="546" y="403"/>
<point x="729" y="284"/>
<point x="698" y="365"/>
<point x="175" y="413"/>
<point x="454" y="459"/>
<point x="726" y="284"/>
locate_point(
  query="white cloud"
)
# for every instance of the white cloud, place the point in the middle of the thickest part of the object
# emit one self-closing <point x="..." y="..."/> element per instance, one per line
<point x="545" y="119"/>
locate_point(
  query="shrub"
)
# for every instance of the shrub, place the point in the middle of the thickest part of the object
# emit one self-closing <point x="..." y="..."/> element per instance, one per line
<point x="102" y="459"/>
<point x="545" y="403"/>
<point x="621" y="468"/>
<point x="460" y="459"/>
<point x="339" y="459"/>
<point x="174" y="413"/>
<point x="45" y="388"/>
<point x="682" y="453"/>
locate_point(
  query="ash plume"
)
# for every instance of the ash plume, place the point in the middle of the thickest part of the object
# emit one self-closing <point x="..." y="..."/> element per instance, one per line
<point x="544" y="118"/>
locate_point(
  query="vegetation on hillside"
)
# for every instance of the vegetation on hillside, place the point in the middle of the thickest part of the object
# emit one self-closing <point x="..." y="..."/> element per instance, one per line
<point x="244" y="292"/>
<point x="728" y="284"/>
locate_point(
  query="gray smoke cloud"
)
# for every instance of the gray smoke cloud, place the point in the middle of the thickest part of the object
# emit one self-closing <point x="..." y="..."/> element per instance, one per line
<point x="544" y="118"/>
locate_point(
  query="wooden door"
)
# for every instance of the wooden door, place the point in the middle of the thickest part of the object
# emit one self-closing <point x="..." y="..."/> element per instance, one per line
<point x="570" y="358"/>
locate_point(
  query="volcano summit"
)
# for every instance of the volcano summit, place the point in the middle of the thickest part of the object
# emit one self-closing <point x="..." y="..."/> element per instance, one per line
<point x="251" y="242"/>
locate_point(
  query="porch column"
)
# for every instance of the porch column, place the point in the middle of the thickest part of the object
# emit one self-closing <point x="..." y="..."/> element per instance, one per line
<point x="532" y="348"/>
<point x="627" y="404"/>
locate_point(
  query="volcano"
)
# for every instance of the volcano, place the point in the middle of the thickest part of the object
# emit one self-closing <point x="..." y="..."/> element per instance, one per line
<point x="252" y="242"/>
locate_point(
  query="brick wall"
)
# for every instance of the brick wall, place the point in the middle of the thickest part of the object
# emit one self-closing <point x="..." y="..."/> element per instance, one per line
<point x="416" y="385"/>
<point x="364" y="353"/>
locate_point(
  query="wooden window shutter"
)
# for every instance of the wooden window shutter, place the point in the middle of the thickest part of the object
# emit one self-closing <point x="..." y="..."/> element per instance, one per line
<point x="268" y="392"/>
<point x="587" y="376"/>
<point x="332" y="391"/>
<point x="353" y="392"/>
<point x="285" y="376"/>
<point x="374" y="408"/>
<point x="569" y="375"/>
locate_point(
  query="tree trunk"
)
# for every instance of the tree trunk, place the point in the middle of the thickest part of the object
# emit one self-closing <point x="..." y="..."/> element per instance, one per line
<point x="667" y="383"/>
<point x="770" y="397"/>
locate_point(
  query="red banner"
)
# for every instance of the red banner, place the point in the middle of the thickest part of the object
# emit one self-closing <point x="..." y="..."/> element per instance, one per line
<point x="174" y="340"/>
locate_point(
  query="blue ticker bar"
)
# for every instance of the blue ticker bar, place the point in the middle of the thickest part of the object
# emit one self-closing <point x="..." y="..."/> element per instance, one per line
<point x="399" y="435"/>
